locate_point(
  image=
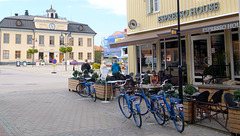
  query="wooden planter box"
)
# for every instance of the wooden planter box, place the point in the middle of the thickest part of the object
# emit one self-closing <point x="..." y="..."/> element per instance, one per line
<point x="188" y="110"/>
<point x="101" y="91"/>
<point x="234" y="120"/>
<point x="72" y="83"/>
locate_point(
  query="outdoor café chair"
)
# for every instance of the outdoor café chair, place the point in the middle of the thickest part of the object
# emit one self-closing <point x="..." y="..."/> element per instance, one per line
<point x="201" y="104"/>
<point x="228" y="99"/>
<point x="215" y="103"/>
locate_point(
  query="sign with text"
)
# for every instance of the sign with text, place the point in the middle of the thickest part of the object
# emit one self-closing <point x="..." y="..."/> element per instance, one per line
<point x="220" y="27"/>
<point x="104" y="74"/>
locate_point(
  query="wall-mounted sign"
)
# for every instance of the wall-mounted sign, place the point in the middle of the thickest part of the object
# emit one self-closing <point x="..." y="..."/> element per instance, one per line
<point x="132" y="24"/>
<point x="221" y="27"/>
<point x="193" y="11"/>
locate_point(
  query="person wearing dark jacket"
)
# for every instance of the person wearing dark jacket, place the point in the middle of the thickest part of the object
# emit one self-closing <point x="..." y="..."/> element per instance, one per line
<point x="115" y="67"/>
<point x="86" y="65"/>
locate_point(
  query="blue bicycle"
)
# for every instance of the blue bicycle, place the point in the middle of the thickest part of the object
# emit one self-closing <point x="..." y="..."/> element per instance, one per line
<point x="129" y="105"/>
<point x="86" y="89"/>
<point x="175" y="110"/>
<point x="155" y="106"/>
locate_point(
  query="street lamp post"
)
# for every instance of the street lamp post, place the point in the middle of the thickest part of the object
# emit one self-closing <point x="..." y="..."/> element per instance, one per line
<point x="33" y="47"/>
<point x="66" y="43"/>
<point x="180" y="90"/>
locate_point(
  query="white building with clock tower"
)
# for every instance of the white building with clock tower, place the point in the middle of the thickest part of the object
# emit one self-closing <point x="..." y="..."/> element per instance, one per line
<point x="47" y="34"/>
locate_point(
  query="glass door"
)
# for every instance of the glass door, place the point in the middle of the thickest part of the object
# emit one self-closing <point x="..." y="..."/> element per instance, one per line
<point x="201" y="57"/>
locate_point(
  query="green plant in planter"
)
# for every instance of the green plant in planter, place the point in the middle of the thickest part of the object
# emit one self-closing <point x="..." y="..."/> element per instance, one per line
<point x="91" y="71"/>
<point x="236" y="95"/>
<point x="95" y="75"/>
<point x="189" y="89"/>
<point x="75" y="74"/>
<point x="167" y="86"/>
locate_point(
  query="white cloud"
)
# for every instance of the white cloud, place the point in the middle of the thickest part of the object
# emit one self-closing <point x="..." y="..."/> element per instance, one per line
<point x="118" y="7"/>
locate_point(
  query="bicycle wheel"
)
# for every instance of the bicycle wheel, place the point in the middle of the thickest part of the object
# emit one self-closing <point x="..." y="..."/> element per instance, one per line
<point x="142" y="104"/>
<point x="82" y="90"/>
<point x="137" y="114"/>
<point x="123" y="105"/>
<point x="158" y="112"/>
<point x="93" y="95"/>
<point x="178" y="119"/>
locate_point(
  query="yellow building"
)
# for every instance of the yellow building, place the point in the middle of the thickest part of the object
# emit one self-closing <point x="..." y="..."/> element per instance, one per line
<point x="209" y="34"/>
<point x="47" y="34"/>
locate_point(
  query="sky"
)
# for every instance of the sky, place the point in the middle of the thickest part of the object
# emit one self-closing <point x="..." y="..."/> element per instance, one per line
<point x="103" y="16"/>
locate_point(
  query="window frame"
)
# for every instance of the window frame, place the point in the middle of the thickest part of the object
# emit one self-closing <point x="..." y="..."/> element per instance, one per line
<point x="17" y="53"/>
<point x="41" y="39"/>
<point x="89" y="43"/>
<point x="6" y="38"/>
<point x="80" y="57"/>
<point x="71" y="55"/>
<point x="71" y="41"/>
<point x="61" y="40"/>
<point x="18" y="38"/>
<point x="52" y="41"/>
<point x="5" y="54"/>
<point x="29" y="40"/>
<point x="151" y="6"/>
<point x="80" y="41"/>
<point x="29" y="55"/>
<point x="90" y="55"/>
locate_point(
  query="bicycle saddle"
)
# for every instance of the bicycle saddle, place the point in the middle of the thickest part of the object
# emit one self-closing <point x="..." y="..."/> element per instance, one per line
<point x="170" y="92"/>
<point x="151" y="91"/>
<point x="129" y="92"/>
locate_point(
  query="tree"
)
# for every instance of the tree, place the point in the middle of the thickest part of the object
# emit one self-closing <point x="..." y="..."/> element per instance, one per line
<point x="62" y="49"/>
<point x="98" y="55"/>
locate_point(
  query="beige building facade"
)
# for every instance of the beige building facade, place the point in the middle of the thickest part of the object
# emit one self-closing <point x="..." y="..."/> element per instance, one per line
<point x="47" y="35"/>
<point x="209" y="37"/>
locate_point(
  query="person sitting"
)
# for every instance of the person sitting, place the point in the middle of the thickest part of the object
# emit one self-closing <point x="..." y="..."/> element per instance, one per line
<point x="154" y="78"/>
<point x="162" y="77"/>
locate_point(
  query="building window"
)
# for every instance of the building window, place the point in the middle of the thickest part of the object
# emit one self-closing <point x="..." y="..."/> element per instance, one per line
<point x="153" y="6"/>
<point x="51" y="40"/>
<point x="236" y="54"/>
<point x="71" y="55"/>
<point x="17" y="54"/>
<point x="29" y="55"/>
<point x="89" y="42"/>
<point x="80" y="41"/>
<point x="80" y="56"/>
<point x="5" y="54"/>
<point x="89" y="56"/>
<point x="6" y="38"/>
<point x="41" y="40"/>
<point x="71" y="41"/>
<point x="61" y="40"/>
<point x="18" y="39"/>
<point x="29" y="39"/>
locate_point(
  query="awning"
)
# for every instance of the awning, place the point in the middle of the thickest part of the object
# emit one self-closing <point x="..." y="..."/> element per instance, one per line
<point x="186" y="29"/>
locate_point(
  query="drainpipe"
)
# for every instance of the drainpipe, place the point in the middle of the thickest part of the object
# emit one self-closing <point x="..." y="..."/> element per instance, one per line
<point x="1" y="45"/>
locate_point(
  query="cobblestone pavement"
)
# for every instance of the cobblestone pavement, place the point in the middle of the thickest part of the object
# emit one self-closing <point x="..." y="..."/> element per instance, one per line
<point x="37" y="104"/>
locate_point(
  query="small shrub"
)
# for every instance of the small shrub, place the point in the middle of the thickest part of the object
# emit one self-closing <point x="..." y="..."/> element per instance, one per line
<point x="96" y="66"/>
<point x="236" y="95"/>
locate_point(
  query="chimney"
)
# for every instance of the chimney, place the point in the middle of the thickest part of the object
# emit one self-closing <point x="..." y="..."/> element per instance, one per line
<point x="26" y="13"/>
<point x="16" y="14"/>
<point x="56" y="15"/>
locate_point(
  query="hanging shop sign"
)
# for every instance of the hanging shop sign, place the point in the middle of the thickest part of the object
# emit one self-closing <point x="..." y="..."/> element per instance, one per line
<point x="220" y="27"/>
<point x="191" y="12"/>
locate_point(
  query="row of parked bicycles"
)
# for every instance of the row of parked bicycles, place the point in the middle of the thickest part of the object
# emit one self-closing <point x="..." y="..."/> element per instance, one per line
<point x="131" y="102"/>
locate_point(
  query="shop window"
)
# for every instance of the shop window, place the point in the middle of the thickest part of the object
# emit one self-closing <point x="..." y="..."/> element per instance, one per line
<point x="218" y="50"/>
<point x="51" y="42"/>
<point x="71" y="55"/>
<point x="80" y="56"/>
<point x="236" y="54"/>
<point x="29" y="55"/>
<point x="80" y="41"/>
<point x="41" y="40"/>
<point x="146" y="58"/>
<point x="6" y="54"/>
<point x="6" y="38"/>
<point x="17" y="54"/>
<point x="29" y="39"/>
<point x="153" y="6"/>
<point x="18" y="39"/>
<point x="163" y="60"/>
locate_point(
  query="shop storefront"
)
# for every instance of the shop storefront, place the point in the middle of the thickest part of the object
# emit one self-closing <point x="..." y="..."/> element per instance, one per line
<point x="209" y="38"/>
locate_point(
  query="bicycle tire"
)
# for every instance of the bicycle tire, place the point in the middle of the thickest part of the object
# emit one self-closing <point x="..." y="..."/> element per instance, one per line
<point x="122" y="102"/>
<point x="137" y="115"/>
<point x="93" y="95"/>
<point x="178" y="119"/>
<point x="142" y="105"/>
<point x="158" y="112"/>
<point x="84" y="91"/>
